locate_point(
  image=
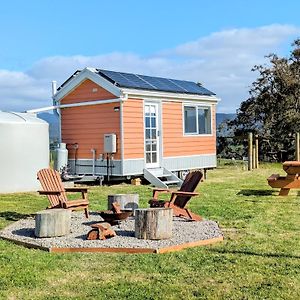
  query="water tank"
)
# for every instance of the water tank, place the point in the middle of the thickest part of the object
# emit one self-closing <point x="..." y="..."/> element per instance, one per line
<point x="24" y="149"/>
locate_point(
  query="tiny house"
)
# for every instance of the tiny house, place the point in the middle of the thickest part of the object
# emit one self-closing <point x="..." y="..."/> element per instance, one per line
<point x="127" y="125"/>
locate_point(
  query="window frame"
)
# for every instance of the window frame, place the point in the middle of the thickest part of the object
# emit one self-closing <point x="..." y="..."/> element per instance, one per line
<point x="196" y="106"/>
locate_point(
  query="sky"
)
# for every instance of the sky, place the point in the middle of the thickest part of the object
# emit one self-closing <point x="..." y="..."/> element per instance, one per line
<point x="215" y="42"/>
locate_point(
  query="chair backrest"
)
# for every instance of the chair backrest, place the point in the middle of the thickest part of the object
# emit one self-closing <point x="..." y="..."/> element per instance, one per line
<point x="51" y="181"/>
<point x="189" y="185"/>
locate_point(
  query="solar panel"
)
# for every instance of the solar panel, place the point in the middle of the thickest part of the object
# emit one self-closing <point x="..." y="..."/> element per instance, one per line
<point x="161" y="84"/>
<point x="154" y="83"/>
<point x="192" y="87"/>
<point x="126" y="79"/>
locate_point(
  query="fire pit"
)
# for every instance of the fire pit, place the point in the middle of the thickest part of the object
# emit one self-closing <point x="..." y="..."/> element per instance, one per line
<point x="114" y="218"/>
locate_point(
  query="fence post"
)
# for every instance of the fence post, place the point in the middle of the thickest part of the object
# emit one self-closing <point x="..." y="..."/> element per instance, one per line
<point x="297" y="142"/>
<point x="256" y="156"/>
<point x="250" y="142"/>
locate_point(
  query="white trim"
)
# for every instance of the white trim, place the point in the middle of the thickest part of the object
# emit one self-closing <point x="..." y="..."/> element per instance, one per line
<point x="158" y="137"/>
<point x="161" y="150"/>
<point x="197" y="134"/>
<point x="122" y="136"/>
<point x="194" y="155"/>
<point x="37" y="110"/>
<point x="129" y="159"/>
<point x="144" y="133"/>
<point x="59" y="125"/>
<point x="87" y="103"/>
<point x="87" y="73"/>
<point x="173" y="97"/>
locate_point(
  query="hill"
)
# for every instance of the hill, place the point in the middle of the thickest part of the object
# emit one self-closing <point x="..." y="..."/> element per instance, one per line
<point x="221" y="117"/>
<point x="52" y="120"/>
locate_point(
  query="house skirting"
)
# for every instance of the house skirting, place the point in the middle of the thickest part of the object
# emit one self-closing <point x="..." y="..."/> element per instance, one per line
<point x="132" y="167"/>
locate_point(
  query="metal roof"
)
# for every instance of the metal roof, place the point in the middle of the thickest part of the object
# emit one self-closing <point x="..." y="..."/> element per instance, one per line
<point x="149" y="83"/>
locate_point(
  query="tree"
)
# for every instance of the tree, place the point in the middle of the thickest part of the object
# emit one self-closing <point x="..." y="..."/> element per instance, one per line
<point x="273" y="108"/>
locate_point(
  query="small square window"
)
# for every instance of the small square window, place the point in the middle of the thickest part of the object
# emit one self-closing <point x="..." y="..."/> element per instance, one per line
<point x="197" y="120"/>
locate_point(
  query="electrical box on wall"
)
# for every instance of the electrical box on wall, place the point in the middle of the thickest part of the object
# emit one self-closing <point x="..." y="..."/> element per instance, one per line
<point x="110" y="143"/>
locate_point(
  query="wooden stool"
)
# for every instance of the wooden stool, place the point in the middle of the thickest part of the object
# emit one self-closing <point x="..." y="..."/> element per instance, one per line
<point x="52" y="222"/>
<point x="153" y="223"/>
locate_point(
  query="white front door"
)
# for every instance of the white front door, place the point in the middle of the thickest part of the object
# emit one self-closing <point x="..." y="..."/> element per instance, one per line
<point x="152" y="144"/>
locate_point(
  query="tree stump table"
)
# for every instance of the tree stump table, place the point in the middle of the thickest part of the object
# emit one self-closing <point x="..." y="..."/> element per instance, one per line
<point x="126" y="201"/>
<point x="52" y="222"/>
<point x="153" y="223"/>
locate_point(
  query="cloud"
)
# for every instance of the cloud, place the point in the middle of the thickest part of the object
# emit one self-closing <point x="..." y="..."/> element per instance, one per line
<point x="222" y="61"/>
<point x="240" y="42"/>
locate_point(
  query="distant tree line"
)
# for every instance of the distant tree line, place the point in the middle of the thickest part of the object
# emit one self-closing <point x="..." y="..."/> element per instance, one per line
<point x="272" y="110"/>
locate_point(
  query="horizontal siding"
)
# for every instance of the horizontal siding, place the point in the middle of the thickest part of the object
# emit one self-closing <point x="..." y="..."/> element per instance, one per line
<point x="174" y="141"/>
<point x="84" y="92"/>
<point x="86" y="125"/>
<point x="133" y="121"/>
<point x="190" y="162"/>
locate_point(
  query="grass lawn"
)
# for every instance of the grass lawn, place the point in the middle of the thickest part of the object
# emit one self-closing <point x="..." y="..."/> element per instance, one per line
<point x="259" y="258"/>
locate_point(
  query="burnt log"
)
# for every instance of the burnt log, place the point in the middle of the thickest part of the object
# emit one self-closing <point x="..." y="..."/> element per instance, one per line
<point x="101" y="231"/>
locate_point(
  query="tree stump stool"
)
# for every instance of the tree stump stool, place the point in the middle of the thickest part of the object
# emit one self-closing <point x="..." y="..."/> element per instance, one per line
<point x="126" y="201"/>
<point x="101" y="231"/>
<point x="52" y="222"/>
<point x="153" y="223"/>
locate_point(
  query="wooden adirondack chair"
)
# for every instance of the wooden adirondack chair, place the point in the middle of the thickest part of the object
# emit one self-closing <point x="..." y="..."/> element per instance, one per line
<point x="180" y="198"/>
<point x="56" y="192"/>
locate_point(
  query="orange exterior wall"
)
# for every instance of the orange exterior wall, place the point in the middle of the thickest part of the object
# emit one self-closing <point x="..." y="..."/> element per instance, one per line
<point x="174" y="141"/>
<point x="87" y="91"/>
<point x="86" y="125"/>
<point x="133" y="127"/>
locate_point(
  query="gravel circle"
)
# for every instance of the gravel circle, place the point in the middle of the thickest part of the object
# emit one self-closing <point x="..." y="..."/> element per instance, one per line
<point x="183" y="232"/>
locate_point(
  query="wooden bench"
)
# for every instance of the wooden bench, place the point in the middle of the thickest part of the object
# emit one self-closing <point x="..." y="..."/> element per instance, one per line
<point x="273" y="177"/>
<point x="290" y="181"/>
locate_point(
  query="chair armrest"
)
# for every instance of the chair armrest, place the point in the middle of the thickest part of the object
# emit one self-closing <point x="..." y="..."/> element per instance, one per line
<point x="50" y="192"/>
<point x="180" y="193"/>
<point x="157" y="191"/>
<point x="161" y="190"/>
<point x="76" y="189"/>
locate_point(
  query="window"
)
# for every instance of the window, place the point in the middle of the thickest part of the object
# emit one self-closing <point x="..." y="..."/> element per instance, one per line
<point x="197" y="120"/>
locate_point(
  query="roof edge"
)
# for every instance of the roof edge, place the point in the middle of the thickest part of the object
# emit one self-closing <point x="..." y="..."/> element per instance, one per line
<point x="135" y="93"/>
<point x="87" y="73"/>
